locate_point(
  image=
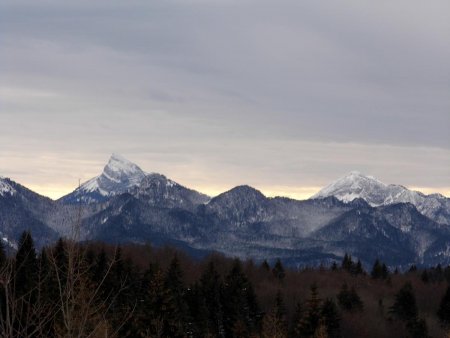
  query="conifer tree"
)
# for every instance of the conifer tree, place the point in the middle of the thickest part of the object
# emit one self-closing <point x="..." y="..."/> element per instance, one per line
<point x="60" y="253"/>
<point x="417" y="328"/>
<point x="265" y="265"/>
<point x="150" y="272"/>
<point x="384" y="271"/>
<point x="240" y="305"/>
<point x="334" y="266"/>
<point x="100" y="267"/>
<point x="26" y="267"/>
<point x="114" y="285"/>
<point x="425" y="276"/>
<point x="296" y="327"/>
<point x="278" y="270"/>
<point x="197" y="314"/>
<point x="90" y="262"/>
<point x="405" y="307"/>
<point x="412" y="268"/>
<point x="377" y="270"/>
<point x="280" y="310"/>
<point x="60" y="264"/>
<point x="321" y="331"/>
<point x="128" y="296"/>
<point x="25" y="284"/>
<point x="176" y="289"/>
<point x="312" y="316"/>
<point x="347" y="263"/>
<point x="48" y="277"/>
<point x="2" y="255"/>
<point x="331" y="318"/>
<point x="211" y="287"/>
<point x="444" y="309"/>
<point x="48" y="293"/>
<point x="348" y="299"/>
<point x="439" y="273"/>
<point x="156" y="305"/>
<point x="274" y="323"/>
<point x="359" y="268"/>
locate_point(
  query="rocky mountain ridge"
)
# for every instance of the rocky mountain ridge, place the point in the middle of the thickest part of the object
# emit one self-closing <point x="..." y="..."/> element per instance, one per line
<point x="357" y="214"/>
<point x="376" y="193"/>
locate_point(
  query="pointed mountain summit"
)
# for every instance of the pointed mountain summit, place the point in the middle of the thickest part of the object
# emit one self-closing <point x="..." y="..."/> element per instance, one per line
<point x="122" y="176"/>
<point x="118" y="176"/>
<point x="356" y="185"/>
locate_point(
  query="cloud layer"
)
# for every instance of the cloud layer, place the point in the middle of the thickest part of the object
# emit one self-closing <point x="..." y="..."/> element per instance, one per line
<point x="283" y="95"/>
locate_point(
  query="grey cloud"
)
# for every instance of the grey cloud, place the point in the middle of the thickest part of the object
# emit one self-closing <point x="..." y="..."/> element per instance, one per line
<point x="196" y="80"/>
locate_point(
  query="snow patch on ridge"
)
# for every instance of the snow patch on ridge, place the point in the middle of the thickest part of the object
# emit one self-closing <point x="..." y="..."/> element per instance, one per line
<point x="118" y="176"/>
<point x="376" y="193"/>
<point x="5" y="187"/>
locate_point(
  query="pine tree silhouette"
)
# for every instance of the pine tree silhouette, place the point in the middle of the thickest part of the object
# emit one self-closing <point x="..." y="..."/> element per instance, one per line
<point x="348" y="299"/>
<point x="239" y="300"/>
<point x="26" y="267"/>
<point x="405" y="307"/>
<point x="331" y="318"/>
<point x="211" y="287"/>
<point x="313" y="315"/>
<point x="178" y="311"/>
<point x="444" y="309"/>
<point x="278" y="270"/>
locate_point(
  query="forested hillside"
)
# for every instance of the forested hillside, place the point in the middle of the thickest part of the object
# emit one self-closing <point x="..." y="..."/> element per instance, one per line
<point x="98" y="290"/>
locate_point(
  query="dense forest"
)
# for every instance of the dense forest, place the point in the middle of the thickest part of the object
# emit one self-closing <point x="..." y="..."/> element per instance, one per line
<point x="99" y="290"/>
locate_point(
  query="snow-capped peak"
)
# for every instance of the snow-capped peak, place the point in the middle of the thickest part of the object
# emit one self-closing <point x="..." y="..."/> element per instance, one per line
<point x="355" y="185"/>
<point x="120" y="164"/>
<point x="118" y="176"/>
<point x="376" y="193"/>
<point x="5" y="187"/>
<point x="119" y="169"/>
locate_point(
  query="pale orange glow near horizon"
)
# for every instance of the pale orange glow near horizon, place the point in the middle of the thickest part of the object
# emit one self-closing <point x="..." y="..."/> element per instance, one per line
<point x="55" y="192"/>
<point x="52" y="191"/>
<point x="428" y="191"/>
<point x="299" y="193"/>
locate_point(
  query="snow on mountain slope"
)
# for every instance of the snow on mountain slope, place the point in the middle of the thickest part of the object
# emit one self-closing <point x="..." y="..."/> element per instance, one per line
<point x="158" y="190"/>
<point x="353" y="186"/>
<point x="376" y="193"/>
<point x="122" y="176"/>
<point x="5" y="187"/>
<point x="118" y="176"/>
<point x="22" y="209"/>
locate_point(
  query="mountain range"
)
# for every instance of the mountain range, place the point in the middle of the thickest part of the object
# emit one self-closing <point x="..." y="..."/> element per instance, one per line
<point x="356" y="214"/>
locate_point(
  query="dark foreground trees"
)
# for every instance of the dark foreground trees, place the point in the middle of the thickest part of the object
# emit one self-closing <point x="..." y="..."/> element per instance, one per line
<point x="405" y="309"/>
<point x="96" y="290"/>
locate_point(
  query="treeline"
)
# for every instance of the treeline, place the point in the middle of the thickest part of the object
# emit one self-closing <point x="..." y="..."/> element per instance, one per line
<point x="98" y="290"/>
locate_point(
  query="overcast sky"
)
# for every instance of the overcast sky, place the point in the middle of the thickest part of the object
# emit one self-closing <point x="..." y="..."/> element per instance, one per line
<point x="285" y="96"/>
